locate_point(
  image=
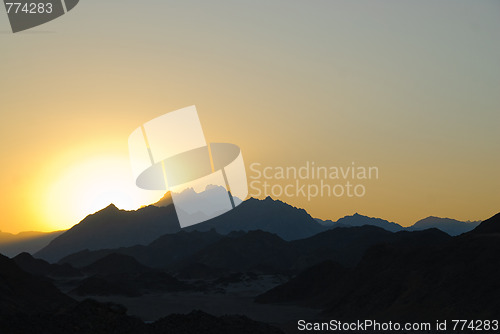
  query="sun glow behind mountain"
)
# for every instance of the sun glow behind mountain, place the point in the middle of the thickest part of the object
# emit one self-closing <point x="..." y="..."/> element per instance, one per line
<point x="88" y="185"/>
<point x="412" y="90"/>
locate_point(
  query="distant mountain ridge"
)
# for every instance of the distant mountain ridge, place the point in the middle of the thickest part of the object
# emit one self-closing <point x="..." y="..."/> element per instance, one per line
<point x="162" y="252"/>
<point x="208" y="254"/>
<point x="360" y="220"/>
<point x="112" y="228"/>
<point x="451" y="226"/>
<point x="30" y="242"/>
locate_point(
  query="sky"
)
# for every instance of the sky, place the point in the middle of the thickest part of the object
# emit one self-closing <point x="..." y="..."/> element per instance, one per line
<point x="410" y="87"/>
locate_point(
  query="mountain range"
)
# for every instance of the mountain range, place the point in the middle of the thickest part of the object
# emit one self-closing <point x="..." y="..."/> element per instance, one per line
<point x="360" y="220"/>
<point x="451" y="226"/>
<point x="41" y="267"/>
<point x="202" y="255"/>
<point x="31" y="242"/>
<point x="356" y="268"/>
<point x="112" y="228"/>
<point x="450" y="280"/>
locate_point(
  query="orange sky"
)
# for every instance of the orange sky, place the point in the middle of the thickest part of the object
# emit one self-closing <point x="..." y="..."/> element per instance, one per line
<point x="411" y="88"/>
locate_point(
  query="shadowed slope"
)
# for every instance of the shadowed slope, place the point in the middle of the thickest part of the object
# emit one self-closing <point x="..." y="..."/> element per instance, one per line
<point x="411" y="281"/>
<point x="268" y="215"/>
<point x="113" y="228"/>
<point x="21" y="292"/>
<point x="451" y="226"/>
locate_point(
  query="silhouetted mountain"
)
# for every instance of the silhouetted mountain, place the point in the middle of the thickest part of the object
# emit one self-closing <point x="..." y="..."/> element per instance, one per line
<point x="256" y="251"/>
<point x="263" y="252"/>
<point x="193" y="207"/>
<point x="92" y="317"/>
<point x="42" y="268"/>
<point x="329" y="223"/>
<point x="360" y="220"/>
<point x="166" y="200"/>
<point x="309" y="288"/>
<point x="268" y="215"/>
<point x="113" y="228"/>
<point x="208" y="254"/>
<point x="451" y="226"/>
<point x="21" y="292"/>
<point x="172" y="248"/>
<point x="409" y="281"/>
<point x="118" y="274"/>
<point x="161" y="253"/>
<point x="30" y="242"/>
<point x="115" y="264"/>
<point x="347" y="245"/>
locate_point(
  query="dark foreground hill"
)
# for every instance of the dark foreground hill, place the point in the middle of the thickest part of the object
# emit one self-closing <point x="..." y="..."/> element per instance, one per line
<point x="118" y="274"/>
<point x="40" y="267"/>
<point x="312" y="287"/>
<point x="455" y="280"/>
<point x="198" y="322"/>
<point x="115" y="264"/>
<point x="29" y="242"/>
<point x="91" y="317"/>
<point x="161" y="253"/>
<point x="21" y="292"/>
<point x="208" y="254"/>
<point x="30" y="304"/>
<point x="254" y="251"/>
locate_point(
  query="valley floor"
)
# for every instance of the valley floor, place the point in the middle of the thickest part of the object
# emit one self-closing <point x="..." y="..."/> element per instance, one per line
<point x="154" y="306"/>
<point x="233" y="298"/>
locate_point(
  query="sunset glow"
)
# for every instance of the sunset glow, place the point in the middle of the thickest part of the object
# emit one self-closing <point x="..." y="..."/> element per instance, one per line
<point x="88" y="185"/>
<point x="412" y="91"/>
